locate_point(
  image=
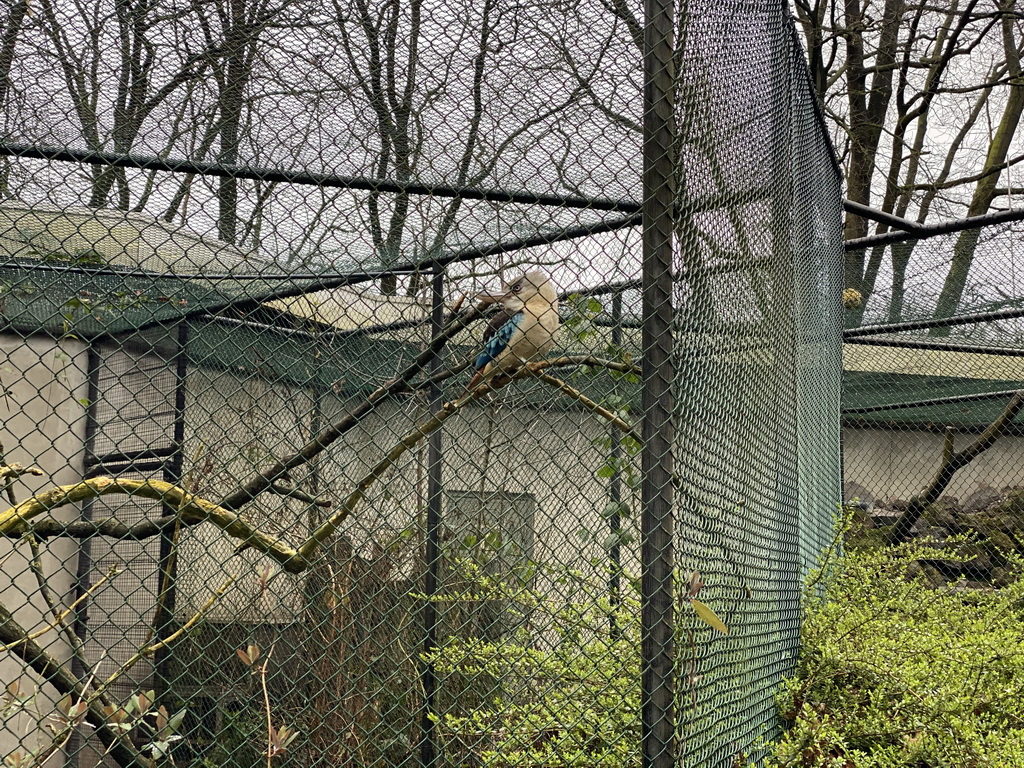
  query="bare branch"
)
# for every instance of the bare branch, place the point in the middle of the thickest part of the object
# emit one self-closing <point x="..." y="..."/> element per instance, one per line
<point x="13" y="635"/>
<point x="952" y="462"/>
<point x="13" y="521"/>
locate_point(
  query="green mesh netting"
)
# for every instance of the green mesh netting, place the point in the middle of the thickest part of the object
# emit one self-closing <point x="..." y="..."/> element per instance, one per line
<point x="244" y="250"/>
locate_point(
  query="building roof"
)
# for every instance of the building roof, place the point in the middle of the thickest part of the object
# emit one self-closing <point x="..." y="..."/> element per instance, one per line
<point x="931" y="388"/>
<point x="96" y="271"/>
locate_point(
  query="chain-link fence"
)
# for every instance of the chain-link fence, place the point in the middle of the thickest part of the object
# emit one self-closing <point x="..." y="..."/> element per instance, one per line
<point x="932" y="435"/>
<point x="393" y="383"/>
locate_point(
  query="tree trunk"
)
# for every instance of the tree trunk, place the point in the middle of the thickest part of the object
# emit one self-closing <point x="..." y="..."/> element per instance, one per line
<point x="985" y="191"/>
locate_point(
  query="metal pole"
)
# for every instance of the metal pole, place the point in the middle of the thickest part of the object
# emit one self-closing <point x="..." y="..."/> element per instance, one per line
<point x="939" y="346"/>
<point x="949" y="400"/>
<point x="84" y="563"/>
<point x="428" y="740"/>
<point x="657" y="689"/>
<point x="615" y="489"/>
<point x="173" y="471"/>
<point x="925" y="231"/>
<point x="328" y="180"/>
<point x="935" y="322"/>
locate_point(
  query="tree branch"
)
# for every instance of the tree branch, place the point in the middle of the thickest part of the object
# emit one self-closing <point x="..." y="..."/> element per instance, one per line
<point x="13" y="521"/>
<point x="262" y="481"/>
<point x="16" y="521"/>
<point x="53" y="672"/>
<point x="587" y="403"/>
<point x="952" y="462"/>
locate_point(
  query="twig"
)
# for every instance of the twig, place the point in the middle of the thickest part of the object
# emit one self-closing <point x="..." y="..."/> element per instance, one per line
<point x="35" y="564"/>
<point x="295" y="493"/>
<point x="114" y="570"/>
<point x="151" y="649"/>
<point x="10" y="471"/>
<point x="54" y="672"/>
<point x="119" y="748"/>
<point x="554" y="362"/>
<point x="585" y="401"/>
<point x="266" y="704"/>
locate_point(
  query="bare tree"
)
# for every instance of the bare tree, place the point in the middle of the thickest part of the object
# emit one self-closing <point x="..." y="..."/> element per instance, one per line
<point x="996" y="159"/>
<point x="895" y="77"/>
<point x="8" y="41"/>
<point x="434" y="111"/>
<point x="102" y="43"/>
<point x="235" y="28"/>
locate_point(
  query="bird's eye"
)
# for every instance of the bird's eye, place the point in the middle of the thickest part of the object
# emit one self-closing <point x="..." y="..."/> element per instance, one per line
<point x="517" y="288"/>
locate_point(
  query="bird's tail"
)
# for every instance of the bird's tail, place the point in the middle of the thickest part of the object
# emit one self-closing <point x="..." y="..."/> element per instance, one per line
<point x="478" y="376"/>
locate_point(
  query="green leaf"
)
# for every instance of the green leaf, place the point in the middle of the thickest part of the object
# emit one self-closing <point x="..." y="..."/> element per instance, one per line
<point x="614" y="509"/>
<point x="176" y="719"/>
<point x="606" y="471"/>
<point x="708" y="616"/>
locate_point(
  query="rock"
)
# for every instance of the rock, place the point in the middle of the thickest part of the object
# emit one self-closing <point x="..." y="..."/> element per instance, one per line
<point x="983" y="496"/>
<point x="944" y="513"/>
<point x="856" y="494"/>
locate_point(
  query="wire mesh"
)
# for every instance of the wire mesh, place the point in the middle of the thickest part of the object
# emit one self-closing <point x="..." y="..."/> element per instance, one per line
<point x="395" y="384"/>
<point x="931" y="375"/>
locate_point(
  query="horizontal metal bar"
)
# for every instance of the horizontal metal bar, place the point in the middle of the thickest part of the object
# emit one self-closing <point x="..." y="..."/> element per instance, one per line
<point x="210" y="277"/>
<point x="334" y="279"/>
<point x="128" y="457"/>
<point x="327" y="333"/>
<point x="466" y="254"/>
<point x="149" y="465"/>
<point x="938" y="346"/>
<point x="150" y="163"/>
<point x="940" y="322"/>
<point x="952" y="399"/>
<point x="1014" y="429"/>
<point x="932" y="230"/>
<point x="867" y="212"/>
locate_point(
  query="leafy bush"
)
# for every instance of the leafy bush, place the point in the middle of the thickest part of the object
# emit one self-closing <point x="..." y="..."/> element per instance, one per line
<point x="895" y="672"/>
<point x="562" y="690"/>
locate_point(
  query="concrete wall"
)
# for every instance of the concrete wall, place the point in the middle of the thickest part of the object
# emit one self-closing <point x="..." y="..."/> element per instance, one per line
<point x="882" y="465"/>
<point x="43" y="424"/>
<point x="236" y="426"/>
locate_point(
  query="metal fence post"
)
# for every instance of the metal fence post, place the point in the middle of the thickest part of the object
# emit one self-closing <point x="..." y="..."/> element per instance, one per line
<point x="657" y="693"/>
<point x="428" y="745"/>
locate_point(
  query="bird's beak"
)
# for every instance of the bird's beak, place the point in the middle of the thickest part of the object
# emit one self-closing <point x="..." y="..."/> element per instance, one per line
<point x="490" y="297"/>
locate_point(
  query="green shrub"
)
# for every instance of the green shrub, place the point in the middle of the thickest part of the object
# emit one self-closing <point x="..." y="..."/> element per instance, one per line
<point x="561" y="690"/>
<point x="894" y="672"/>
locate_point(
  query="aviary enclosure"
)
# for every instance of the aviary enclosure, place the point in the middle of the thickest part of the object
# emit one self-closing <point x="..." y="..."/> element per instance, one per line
<point x="256" y="515"/>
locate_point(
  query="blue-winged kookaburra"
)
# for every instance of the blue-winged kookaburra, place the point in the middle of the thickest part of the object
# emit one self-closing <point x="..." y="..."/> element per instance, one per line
<point x="524" y="330"/>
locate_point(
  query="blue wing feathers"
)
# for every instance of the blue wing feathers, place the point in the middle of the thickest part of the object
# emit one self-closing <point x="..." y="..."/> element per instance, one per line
<point x="497" y="343"/>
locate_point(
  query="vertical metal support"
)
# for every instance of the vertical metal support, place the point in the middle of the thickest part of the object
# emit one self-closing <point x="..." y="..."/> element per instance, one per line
<point x="615" y="488"/>
<point x="657" y="689"/>
<point x="83" y="564"/>
<point x="428" y="739"/>
<point x="173" y="470"/>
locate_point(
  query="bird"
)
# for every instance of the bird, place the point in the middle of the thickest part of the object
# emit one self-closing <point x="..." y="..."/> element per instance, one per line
<point x="524" y="330"/>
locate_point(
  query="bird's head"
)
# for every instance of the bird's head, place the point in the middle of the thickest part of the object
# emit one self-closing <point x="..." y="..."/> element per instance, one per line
<point x="533" y="286"/>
